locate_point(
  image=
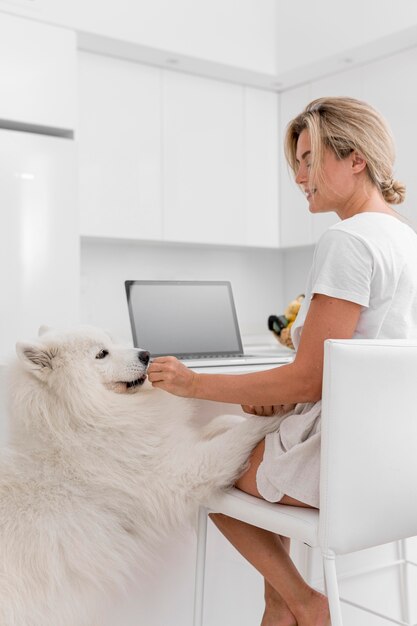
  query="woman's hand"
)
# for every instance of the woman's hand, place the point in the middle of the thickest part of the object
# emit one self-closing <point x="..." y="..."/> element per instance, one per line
<point x="268" y="410"/>
<point x="168" y="373"/>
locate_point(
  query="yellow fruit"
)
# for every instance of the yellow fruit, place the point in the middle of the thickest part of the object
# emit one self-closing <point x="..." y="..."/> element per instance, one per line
<point x="292" y="310"/>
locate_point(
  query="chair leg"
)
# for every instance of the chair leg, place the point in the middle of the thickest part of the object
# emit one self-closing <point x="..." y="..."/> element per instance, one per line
<point x="401" y="546"/>
<point x="326" y="591"/>
<point x="200" y="567"/>
<point x="332" y="589"/>
<point x="308" y="564"/>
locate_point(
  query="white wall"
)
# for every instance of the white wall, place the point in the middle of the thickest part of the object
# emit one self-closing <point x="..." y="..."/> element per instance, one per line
<point x="310" y="32"/>
<point x="256" y="277"/>
<point x="296" y="263"/>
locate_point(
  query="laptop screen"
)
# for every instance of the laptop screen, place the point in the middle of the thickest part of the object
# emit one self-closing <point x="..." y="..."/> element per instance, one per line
<point x="183" y="318"/>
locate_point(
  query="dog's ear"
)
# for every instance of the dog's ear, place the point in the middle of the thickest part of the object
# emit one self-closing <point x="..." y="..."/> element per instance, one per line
<point x="35" y="357"/>
<point x="43" y="329"/>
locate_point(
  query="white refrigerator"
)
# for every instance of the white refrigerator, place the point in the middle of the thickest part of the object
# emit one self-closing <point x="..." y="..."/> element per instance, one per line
<point x="39" y="236"/>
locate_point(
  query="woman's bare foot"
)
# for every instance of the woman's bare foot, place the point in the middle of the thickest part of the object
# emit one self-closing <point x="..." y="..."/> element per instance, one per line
<point x="315" y="612"/>
<point x="276" y="612"/>
<point x="270" y="618"/>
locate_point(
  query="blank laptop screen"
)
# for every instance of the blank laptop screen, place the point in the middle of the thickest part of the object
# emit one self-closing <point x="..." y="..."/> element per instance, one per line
<point x="183" y="318"/>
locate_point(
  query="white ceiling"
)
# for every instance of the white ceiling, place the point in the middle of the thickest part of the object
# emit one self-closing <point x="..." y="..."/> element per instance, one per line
<point x="316" y="38"/>
<point x="274" y="44"/>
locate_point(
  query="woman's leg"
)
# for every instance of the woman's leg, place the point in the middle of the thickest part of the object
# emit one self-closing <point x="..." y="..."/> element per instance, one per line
<point x="293" y="598"/>
<point x="277" y="612"/>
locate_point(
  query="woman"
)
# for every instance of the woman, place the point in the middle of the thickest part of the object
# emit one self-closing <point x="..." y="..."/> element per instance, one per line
<point x="362" y="284"/>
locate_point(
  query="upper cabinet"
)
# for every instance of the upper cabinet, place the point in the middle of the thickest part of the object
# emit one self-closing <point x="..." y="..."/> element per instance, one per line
<point x="37" y="74"/>
<point x="261" y="167"/>
<point x="220" y="162"/>
<point x="170" y="156"/>
<point x="120" y="155"/>
<point x="203" y="160"/>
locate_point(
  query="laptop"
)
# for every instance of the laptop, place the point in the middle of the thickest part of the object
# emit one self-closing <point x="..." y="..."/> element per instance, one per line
<point x="195" y="321"/>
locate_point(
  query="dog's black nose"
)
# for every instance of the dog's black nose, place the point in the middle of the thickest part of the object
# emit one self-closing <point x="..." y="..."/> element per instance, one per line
<point x="144" y="357"/>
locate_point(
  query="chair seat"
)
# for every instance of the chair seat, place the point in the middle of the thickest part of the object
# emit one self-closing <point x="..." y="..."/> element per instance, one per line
<point x="291" y="521"/>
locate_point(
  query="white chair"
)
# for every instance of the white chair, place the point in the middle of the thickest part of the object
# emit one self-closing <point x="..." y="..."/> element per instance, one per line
<point x="368" y="485"/>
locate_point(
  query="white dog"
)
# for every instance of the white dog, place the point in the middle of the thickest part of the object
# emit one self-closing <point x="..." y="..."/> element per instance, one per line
<point x="98" y="467"/>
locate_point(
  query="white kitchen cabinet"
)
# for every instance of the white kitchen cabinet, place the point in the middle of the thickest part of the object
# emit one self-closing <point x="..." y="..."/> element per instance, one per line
<point x="203" y="124"/>
<point x="120" y="158"/>
<point x="167" y="156"/>
<point x="347" y="83"/>
<point x="37" y="74"/>
<point x="389" y="85"/>
<point x="261" y="142"/>
<point x="295" y="219"/>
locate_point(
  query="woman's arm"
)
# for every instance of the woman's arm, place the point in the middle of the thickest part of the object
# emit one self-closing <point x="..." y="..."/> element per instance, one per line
<point x="299" y="381"/>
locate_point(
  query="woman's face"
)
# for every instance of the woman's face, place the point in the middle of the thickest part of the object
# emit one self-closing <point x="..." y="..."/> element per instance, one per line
<point x="338" y="182"/>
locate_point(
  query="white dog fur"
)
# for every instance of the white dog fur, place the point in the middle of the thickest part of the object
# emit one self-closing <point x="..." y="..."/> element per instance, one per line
<point x="96" y="471"/>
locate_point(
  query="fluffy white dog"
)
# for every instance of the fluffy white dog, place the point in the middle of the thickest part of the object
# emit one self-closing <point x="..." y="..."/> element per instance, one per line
<point x="98" y="467"/>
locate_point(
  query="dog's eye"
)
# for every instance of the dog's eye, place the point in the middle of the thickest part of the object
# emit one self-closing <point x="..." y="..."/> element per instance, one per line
<point x="102" y="354"/>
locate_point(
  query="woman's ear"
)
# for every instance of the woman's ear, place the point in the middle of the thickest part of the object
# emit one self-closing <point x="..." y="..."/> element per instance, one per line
<point x="358" y="162"/>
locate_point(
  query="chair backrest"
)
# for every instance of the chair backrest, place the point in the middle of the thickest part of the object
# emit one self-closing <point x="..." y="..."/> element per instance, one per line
<point x="368" y="484"/>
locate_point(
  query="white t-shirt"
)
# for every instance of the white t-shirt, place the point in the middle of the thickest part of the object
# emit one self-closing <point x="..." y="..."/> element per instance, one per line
<point x="370" y="259"/>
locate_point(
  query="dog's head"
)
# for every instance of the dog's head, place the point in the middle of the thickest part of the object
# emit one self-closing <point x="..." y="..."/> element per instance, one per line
<point x="84" y="359"/>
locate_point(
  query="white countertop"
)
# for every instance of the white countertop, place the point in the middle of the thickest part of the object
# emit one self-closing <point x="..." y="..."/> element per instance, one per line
<point x="254" y="344"/>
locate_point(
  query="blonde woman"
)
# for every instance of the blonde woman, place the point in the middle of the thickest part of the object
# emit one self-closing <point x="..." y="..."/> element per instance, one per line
<point x="362" y="284"/>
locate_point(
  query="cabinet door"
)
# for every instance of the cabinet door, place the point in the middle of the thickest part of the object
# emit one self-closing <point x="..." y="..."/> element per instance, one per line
<point x="203" y="160"/>
<point x="261" y="167"/>
<point x="37" y="73"/>
<point x="119" y="149"/>
<point x="295" y="219"/>
<point x="389" y="86"/>
<point x="347" y="83"/>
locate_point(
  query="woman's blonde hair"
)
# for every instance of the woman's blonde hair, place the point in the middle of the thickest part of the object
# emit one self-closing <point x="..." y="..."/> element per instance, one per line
<point x="347" y="125"/>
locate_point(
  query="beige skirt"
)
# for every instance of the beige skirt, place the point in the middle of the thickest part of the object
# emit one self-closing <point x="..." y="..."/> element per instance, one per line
<point x="291" y="463"/>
